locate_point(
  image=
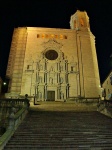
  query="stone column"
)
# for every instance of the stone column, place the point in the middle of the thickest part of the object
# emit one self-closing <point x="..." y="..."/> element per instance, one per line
<point x="45" y="93"/>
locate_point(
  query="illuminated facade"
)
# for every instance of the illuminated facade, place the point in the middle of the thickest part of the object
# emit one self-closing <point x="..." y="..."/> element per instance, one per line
<point x="54" y="64"/>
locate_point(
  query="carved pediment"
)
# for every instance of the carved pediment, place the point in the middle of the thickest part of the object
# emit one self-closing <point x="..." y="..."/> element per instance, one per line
<point x="53" y="44"/>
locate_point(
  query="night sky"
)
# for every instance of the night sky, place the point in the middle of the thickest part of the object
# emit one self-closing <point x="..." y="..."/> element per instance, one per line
<point x="56" y="14"/>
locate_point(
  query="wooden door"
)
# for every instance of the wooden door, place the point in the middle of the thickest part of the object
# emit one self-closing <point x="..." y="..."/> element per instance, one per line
<point x="50" y="95"/>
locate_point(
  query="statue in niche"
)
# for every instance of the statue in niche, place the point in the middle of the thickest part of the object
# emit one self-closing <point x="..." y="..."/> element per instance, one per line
<point x="40" y="95"/>
<point x="62" y="95"/>
<point x="61" y="80"/>
<point x="61" y="68"/>
<point x="41" y="67"/>
<point x="40" y="79"/>
<point x="51" y="69"/>
<point x="51" y="80"/>
<point x="37" y="66"/>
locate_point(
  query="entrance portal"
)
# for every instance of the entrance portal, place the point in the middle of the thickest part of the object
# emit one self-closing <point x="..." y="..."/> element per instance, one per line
<point x="50" y="95"/>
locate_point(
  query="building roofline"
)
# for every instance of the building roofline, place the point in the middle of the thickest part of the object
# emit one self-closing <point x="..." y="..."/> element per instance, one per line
<point x="107" y="76"/>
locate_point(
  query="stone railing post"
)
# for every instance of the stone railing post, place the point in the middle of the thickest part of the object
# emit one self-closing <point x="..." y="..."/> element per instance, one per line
<point x="12" y="118"/>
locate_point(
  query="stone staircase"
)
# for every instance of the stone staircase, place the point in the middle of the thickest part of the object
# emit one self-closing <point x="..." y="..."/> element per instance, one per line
<point x="62" y="130"/>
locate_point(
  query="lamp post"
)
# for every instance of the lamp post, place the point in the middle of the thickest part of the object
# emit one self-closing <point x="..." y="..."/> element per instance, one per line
<point x="4" y="87"/>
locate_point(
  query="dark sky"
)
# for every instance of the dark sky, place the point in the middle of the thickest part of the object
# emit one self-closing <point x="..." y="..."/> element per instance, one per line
<point x="56" y="14"/>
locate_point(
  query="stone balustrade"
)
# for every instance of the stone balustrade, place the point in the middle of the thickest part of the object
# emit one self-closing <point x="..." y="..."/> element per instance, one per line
<point x="16" y="110"/>
<point x="105" y="107"/>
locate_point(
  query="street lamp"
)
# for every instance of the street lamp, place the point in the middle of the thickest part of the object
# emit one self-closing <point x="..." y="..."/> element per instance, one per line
<point x="4" y="83"/>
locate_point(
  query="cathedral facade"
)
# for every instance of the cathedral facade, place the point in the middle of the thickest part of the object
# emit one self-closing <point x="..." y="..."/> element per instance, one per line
<point x="54" y="64"/>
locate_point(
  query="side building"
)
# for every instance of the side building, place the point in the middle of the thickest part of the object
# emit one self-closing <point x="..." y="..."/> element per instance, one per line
<point x="107" y="87"/>
<point x="54" y="64"/>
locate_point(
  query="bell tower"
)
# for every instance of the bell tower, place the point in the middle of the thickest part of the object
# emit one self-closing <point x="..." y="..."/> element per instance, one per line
<point x="86" y="54"/>
<point x="80" y="21"/>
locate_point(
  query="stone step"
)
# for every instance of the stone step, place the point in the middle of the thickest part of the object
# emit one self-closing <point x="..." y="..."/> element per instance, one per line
<point x="60" y="141"/>
<point x="75" y="133"/>
<point x="78" y="137"/>
<point x="63" y="130"/>
<point x="62" y="147"/>
<point x="62" y="135"/>
<point x="64" y="139"/>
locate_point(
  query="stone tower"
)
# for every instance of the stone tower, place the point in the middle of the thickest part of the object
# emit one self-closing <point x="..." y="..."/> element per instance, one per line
<point x="86" y="52"/>
<point x="54" y="64"/>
